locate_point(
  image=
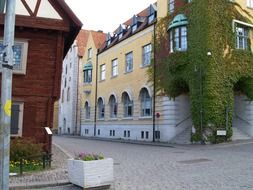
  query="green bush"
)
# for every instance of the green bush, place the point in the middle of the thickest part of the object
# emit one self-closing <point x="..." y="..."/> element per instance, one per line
<point x="23" y="148"/>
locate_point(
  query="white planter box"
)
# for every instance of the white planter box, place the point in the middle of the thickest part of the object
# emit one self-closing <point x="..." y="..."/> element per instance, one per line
<point x="89" y="174"/>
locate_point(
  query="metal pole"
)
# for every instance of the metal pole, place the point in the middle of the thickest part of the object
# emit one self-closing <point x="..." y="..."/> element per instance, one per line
<point x="154" y="88"/>
<point x="7" y="66"/>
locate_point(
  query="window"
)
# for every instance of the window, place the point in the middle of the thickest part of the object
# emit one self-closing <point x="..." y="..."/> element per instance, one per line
<point x="146" y="55"/>
<point x="86" y="131"/>
<point x="98" y="131"/>
<point x="113" y="107"/>
<point x="62" y="96"/>
<point x="250" y="3"/>
<point x="68" y="94"/>
<point x="157" y="134"/>
<point x="128" y="133"/>
<point x="114" y="67"/>
<point x="20" y="51"/>
<point x="87" y="76"/>
<point x="89" y="53"/>
<point x="129" y="62"/>
<point x="147" y="134"/>
<point x="66" y="70"/>
<point x="142" y="134"/>
<point x="128" y="105"/>
<point x="87" y="110"/>
<point x="17" y="118"/>
<point x="101" y="109"/>
<point x="113" y="132"/>
<point x="242" y="37"/>
<point x="171" y="6"/>
<point x="110" y="132"/>
<point x="178" y="39"/>
<point x="134" y="28"/>
<point x="125" y="133"/>
<point x="151" y="18"/>
<point x="102" y="72"/>
<point x="120" y="35"/>
<point x="145" y="103"/>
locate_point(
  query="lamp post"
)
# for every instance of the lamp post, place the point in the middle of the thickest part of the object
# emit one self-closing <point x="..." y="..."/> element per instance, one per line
<point x="6" y="89"/>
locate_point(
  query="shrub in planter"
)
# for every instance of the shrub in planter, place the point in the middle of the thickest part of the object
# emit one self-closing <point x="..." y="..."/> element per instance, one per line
<point x="90" y="170"/>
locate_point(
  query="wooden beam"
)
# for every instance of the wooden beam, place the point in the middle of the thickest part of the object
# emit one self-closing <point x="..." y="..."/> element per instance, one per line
<point x="37" y="8"/>
<point x="27" y="7"/>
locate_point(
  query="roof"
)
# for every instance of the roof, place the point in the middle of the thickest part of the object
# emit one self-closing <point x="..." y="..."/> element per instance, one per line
<point x="75" y="23"/>
<point x="178" y="20"/>
<point x="81" y="41"/>
<point x="98" y="38"/>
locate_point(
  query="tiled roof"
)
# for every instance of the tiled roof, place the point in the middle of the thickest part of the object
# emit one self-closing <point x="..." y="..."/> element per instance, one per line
<point x="143" y="13"/>
<point x="82" y="39"/>
<point x="98" y="38"/>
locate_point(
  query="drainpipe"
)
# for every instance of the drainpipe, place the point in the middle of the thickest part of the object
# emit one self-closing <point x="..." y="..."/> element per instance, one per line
<point x="96" y="94"/>
<point x="77" y="91"/>
<point x="154" y="87"/>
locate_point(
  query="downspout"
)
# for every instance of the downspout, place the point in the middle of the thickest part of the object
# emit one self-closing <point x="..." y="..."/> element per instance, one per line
<point x="154" y="87"/>
<point x="96" y="94"/>
<point x="77" y="91"/>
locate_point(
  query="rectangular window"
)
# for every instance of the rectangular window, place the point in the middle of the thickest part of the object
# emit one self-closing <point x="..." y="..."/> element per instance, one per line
<point x="128" y="133"/>
<point x="102" y="72"/>
<point x="110" y="132"/>
<point x="134" y="28"/>
<point x="113" y="133"/>
<point x="129" y="62"/>
<point x="87" y="76"/>
<point x="17" y="110"/>
<point x="250" y="3"/>
<point x="146" y="55"/>
<point x="125" y="133"/>
<point x="171" y="6"/>
<point x="147" y="134"/>
<point x="142" y="134"/>
<point x="157" y="134"/>
<point x="89" y="53"/>
<point x="98" y="131"/>
<point x="19" y="56"/>
<point x="114" y="67"/>
<point x="242" y="37"/>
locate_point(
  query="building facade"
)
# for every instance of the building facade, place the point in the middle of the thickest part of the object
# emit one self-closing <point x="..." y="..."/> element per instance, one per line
<point x="43" y="35"/>
<point x="118" y="95"/>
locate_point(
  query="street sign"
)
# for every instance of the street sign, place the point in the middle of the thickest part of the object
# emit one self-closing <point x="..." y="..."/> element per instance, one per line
<point x="221" y="132"/>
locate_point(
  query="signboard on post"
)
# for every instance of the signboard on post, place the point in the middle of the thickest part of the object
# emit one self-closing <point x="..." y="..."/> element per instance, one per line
<point x="221" y="132"/>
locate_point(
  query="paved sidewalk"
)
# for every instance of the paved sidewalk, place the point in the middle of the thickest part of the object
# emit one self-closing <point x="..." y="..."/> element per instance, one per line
<point x="57" y="175"/>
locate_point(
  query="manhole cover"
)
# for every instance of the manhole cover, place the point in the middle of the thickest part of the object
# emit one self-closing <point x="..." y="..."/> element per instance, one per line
<point x="194" y="161"/>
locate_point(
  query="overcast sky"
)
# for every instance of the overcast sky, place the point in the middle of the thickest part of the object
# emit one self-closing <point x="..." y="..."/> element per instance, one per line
<point x="106" y="15"/>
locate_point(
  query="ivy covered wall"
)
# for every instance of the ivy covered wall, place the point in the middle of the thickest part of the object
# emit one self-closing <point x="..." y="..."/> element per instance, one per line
<point x="210" y="80"/>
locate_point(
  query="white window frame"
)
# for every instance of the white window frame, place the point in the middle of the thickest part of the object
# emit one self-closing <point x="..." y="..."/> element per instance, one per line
<point x="177" y="36"/>
<point x="88" y="76"/>
<point x="129" y="62"/>
<point x="146" y="55"/>
<point x="89" y="53"/>
<point x="102" y="72"/>
<point x="24" y="54"/>
<point x="146" y="103"/>
<point x="250" y="3"/>
<point x="115" y="69"/>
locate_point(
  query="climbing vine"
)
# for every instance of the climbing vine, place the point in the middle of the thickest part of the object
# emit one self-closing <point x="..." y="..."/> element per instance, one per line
<point x="210" y="80"/>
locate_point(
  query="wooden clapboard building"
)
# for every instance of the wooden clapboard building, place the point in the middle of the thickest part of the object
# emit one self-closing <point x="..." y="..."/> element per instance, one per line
<point x="45" y="30"/>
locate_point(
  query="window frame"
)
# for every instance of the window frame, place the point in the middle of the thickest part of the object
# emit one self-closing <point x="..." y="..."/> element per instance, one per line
<point x="115" y="68"/>
<point x="87" y="110"/>
<point x="113" y="107"/>
<point x="146" y="55"/>
<point x="87" y="76"/>
<point x="101" y="109"/>
<point x="129" y="62"/>
<point x="244" y="38"/>
<point x="24" y="56"/>
<point x="127" y="105"/>
<point x="102" y="72"/>
<point x="171" y="6"/>
<point x="89" y="53"/>
<point x="145" y="103"/>
<point x="178" y="39"/>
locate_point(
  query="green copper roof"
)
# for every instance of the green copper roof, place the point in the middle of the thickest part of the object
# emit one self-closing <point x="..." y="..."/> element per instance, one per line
<point x="87" y="66"/>
<point x="178" y="20"/>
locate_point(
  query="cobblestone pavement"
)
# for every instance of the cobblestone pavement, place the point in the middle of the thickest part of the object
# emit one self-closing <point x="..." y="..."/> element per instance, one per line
<point x="57" y="174"/>
<point x="191" y="167"/>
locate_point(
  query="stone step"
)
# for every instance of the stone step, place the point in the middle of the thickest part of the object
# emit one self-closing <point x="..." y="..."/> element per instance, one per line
<point x="239" y="135"/>
<point x="184" y="137"/>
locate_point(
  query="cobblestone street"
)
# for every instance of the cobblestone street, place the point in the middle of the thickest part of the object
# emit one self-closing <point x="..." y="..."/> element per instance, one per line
<point x="191" y="167"/>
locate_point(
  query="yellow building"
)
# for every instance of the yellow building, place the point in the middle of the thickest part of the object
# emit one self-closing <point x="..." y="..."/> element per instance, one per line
<point x="118" y="99"/>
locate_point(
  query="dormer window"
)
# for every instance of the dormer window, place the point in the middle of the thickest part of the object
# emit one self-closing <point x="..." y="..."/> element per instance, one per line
<point x="178" y="33"/>
<point x="108" y="39"/>
<point x="120" y="31"/>
<point x="120" y="35"/>
<point x="152" y="13"/>
<point x="134" y="28"/>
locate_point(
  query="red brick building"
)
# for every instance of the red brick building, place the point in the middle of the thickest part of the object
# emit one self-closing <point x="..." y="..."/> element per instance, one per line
<point x="45" y="29"/>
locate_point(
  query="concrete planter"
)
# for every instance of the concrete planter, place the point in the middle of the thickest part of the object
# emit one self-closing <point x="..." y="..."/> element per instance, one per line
<point x="88" y="174"/>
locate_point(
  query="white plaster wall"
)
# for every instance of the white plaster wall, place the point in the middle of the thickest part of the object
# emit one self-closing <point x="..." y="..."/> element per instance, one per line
<point x="244" y="114"/>
<point x="67" y="109"/>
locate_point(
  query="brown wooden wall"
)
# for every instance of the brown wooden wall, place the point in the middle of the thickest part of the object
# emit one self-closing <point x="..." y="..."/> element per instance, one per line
<point x="40" y="87"/>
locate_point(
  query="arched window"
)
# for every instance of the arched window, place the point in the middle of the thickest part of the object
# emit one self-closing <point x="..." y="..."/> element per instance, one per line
<point x="87" y="110"/>
<point x="101" y="108"/>
<point x="178" y="33"/>
<point x="146" y="103"/>
<point x="128" y="105"/>
<point x="68" y="94"/>
<point x="113" y="107"/>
